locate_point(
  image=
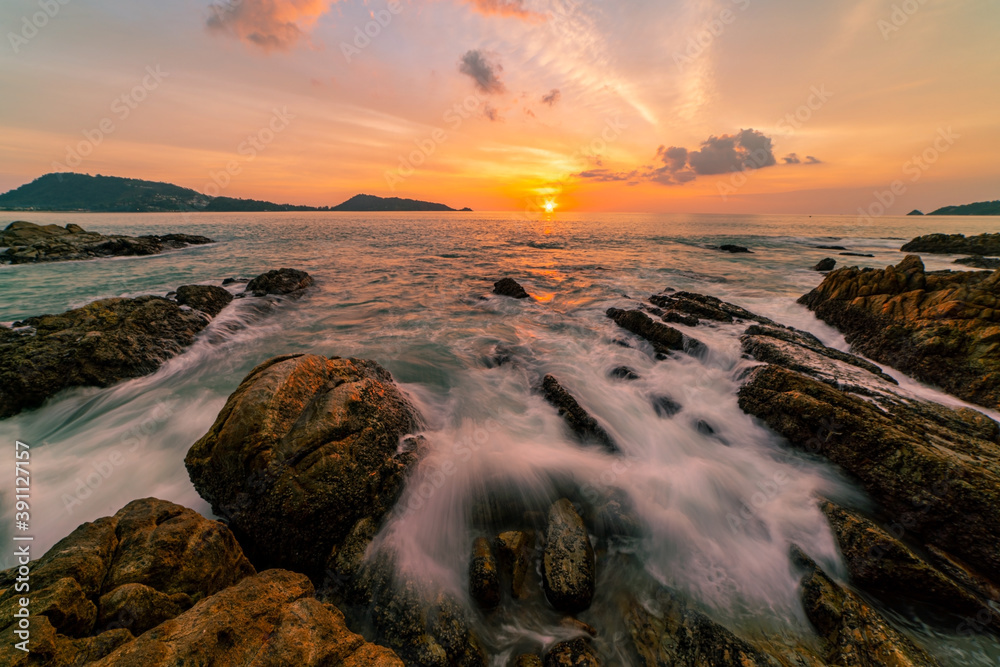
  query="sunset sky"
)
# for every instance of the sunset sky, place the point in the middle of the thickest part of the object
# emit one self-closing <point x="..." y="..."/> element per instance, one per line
<point x="659" y="105"/>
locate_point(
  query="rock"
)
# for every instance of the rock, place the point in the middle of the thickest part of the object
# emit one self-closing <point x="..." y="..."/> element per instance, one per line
<point x="585" y="427"/>
<point x="882" y="564"/>
<point x="568" y="567"/>
<point x="915" y="212"/>
<point x="980" y="262"/>
<point x="955" y="244"/>
<point x="690" y="307"/>
<point x="728" y="247"/>
<point x="484" y="577"/>
<point x="623" y="373"/>
<point x="528" y="660"/>
<point x="574" y="653"/>
<point x="826" y="264"/>
<point x="663" y="338"/>
<point x="125" y="574"/>
<point x="269" y="619"/>
<point x="206" y="298"/>
<point x="853" y="632"/>
<point x="515" y="553"/>
<point x="509" y="287"/>
<point x="941" y="327"/>
<point x="26" y="242"/>
<point x="856" y="254"/>
<point x="932" y="469"/>
<point x="280" y="281"/>
<point x="830" y="247"/>
<point x="665" y="407"/>
<point x="304" y="449"/>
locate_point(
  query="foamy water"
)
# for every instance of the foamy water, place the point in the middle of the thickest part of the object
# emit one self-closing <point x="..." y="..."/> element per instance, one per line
<point x="412" y="292"/>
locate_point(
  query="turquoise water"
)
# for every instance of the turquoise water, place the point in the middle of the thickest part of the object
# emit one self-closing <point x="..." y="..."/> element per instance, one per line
<point x="412" y="291"/>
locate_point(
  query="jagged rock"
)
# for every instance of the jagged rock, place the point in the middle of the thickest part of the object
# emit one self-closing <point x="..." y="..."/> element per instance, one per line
<point x="955" y="244"/>
<point x="826" y="264"/>
<point x="664" y="339"/>
<point x="942" y="327"/>
<point x="573" y="653"/>
<point x="26" y="242"/>
<point x="515" y="550"/>
<point x="484" y="577"/>
<point x="303" y="449"/>
<point x="568" y="567"/>
<point x="123" y="574"/>
<point x="583" y="425"/>
<point x="880" y="563"/>
<point x="206" y="298"/>
<point x="729" y="247"/>
<point x="279" y="281"/>
<point x="269" y="619"/>
<point x="980" y="262"/>
<point x="853" y="632"/>
<point x="509" y="287"/>
<point x="690" y="307"/>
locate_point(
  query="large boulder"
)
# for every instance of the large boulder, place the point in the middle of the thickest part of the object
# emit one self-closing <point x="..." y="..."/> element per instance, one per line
<point x="279" y="281"/>
<point x="267" y="620"/>
<point x="568" y="565"/>
<point x="304" y="449"/>
<point x="942" y="327"/>
<point x="26" y="242"/>
<point x="206" y="298"/>
<point x="955" y="244"/>
<point x="120" y="576"/>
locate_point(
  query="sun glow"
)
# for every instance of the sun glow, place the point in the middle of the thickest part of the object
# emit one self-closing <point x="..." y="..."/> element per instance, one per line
<point x="550" y="205"/>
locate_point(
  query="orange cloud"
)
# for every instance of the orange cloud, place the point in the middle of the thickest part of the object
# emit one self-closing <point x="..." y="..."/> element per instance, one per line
<point x="514" y="8"/>
<point x="268" y="24"/>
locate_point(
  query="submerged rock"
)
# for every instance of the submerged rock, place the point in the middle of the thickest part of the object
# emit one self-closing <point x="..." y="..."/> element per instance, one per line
<point x="623" y="373"/>
<point x="853" y="632"/>
<point x="27" y="243"/>
<point x="568" y="567"/>
<point x="304" y="449"/>
<point x="980" y="262"/>
<point x="579" y="420"/>
<point x="509" y="287"/>
<point x="664" y="339"/>
<point x="955" y="244"/>
<point x="484" y="576"/>
<point x="279" y="281"/>
<point x="665" y="407"/>
<point x="826" y="264"/>
<point x="941" y="327"/>
<point x="729" y="247"/>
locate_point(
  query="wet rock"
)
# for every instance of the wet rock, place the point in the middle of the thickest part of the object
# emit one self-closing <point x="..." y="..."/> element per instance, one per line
<point x="268" y="619"/>
<point x="26" y="242"/>
<point x="826" y="264"/>
<point x="122" y="575"/>
<point x="612" y="512"/>
<point x="665" y="407"/>
<point x="304" y="449"/>
<point x="233" y="281"/>
<point x="955" y="244"/>
<point x="980" y="262"/>
<point x="941" y="327"/>
<point x="852" y="631"/>
<point x="515" y="553"/>
<point x="883" y="564"/>
<point x="574" y="653"/>
<point x="729" y="247"/>
<point x="664" y="339"/>
<point x="484" y="577"/>
<point x="568" y="567"/>
<point x="703" y="307"/>
<point x="206" y="298"/>
<point x="585" y="427"/>
<point x="856" y="254"/>
<point x="528" y="660"/>
<point x="830" y="247"/>
<point x="280" y="281"/>
<point x="623" y="373"/>
<point x="509" y="287"/>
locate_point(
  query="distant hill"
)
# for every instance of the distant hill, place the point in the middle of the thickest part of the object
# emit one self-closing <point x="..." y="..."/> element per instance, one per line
<point x="373" y="203"/>
<point x="112" y="194"/>
<point x="979" y="208"/>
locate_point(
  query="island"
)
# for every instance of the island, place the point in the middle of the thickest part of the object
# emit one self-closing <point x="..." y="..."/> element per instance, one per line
<point x="66" y="191"/>
<point x="977" y="208"/>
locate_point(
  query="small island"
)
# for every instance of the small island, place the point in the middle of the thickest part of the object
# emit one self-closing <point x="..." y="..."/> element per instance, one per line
<point x="112" y="194"/>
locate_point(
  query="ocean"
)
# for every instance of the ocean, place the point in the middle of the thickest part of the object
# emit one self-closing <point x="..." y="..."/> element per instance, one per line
<point x="413" y="292"/>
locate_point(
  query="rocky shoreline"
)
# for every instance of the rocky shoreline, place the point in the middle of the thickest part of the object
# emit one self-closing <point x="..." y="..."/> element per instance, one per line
<point x="308" y="458"/>
<point x="27" y="243"/>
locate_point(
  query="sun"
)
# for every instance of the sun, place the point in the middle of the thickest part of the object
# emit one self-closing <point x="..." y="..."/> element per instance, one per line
<point x="550" y="205"/>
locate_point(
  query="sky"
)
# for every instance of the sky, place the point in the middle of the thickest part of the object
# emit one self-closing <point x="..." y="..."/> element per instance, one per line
<point x="715" y="106"/>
